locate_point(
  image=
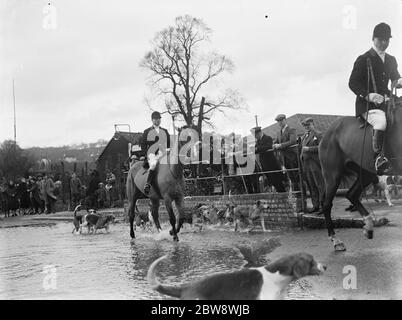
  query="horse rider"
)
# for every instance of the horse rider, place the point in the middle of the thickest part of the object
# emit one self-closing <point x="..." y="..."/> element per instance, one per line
<point x="155" y="142"/>
<point x="285" y="141"/>
<point x="268" y="162"/>
<point x="311" y="163"/>
<point x="374" y="91"/>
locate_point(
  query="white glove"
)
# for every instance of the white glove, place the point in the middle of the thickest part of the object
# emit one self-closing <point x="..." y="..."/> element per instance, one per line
<point x="399" y="83"/>
<point x="375" y="97"/>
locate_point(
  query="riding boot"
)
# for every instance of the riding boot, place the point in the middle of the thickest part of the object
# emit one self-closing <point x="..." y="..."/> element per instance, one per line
<point x="381" y="162"/>
<point x="147" y="187"/>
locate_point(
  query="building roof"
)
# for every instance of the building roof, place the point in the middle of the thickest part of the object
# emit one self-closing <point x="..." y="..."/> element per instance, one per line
<point x="130" y="137"/>
<point x="133" y="137"/>
<point x="321" y="123"/>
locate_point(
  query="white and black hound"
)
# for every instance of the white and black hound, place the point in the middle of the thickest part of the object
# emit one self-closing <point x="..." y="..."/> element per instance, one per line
<point x="263" y="283"/>
<point x="79" y="219"/>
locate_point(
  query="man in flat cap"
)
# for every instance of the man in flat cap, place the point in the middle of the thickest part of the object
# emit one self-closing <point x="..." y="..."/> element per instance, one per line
<point x="285" y="139"/>
<point x="267" y="159"/>
<point x="311" y="163"/>
<point x="373" y="97"/>
<point x="154" y="143"/>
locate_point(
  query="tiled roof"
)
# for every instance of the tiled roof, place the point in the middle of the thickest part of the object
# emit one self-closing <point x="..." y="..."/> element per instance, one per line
<point x="133" y="137"/>
<point x="321" y="123"/>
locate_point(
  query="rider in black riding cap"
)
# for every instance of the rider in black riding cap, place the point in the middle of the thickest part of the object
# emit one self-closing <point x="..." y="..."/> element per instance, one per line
<point x="384" y="68"/>
<point x="155" y="142"/>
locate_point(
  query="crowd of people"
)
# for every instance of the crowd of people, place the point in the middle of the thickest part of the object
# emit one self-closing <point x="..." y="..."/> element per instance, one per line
<point x="31" y="195"/>
<point x="38" y="194"/>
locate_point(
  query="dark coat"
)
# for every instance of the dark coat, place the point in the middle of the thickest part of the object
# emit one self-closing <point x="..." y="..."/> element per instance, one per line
<point x="93" y="185"/>
<point x="23" y="195"/>
<point x="268" y="160"/>
<point x="383" y="72"/>
<point x="34" y="192"/>
<point x="286" y="139"/>
<point x="147" y="143"/>
<point x="12" y="197"/>
<point x="311" y="140"/>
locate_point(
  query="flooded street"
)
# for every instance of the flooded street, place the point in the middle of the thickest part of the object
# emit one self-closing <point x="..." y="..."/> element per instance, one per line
<point x="112" y="266"/>
<point x="108" y="266"/>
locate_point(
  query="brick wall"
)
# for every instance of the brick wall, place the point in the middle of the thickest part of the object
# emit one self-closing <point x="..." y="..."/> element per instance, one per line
<point x="281" y="211"/>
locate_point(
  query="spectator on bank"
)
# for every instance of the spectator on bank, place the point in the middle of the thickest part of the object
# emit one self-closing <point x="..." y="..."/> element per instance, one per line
<point x="285" y="143"/>
<point x="267" y="160"/>
<point x="4" y="197"/>
<point x="50" y="196"/>
<point x="34" y="196"/>
<point x="42" y="193"/>
<point x="66" y="195"/>
<point x="58" y="185"/>
<point x="13" y="204"/>
<point x="101" y="196"/>
<point x="75" y="189"/>
<point x="91" y="191"/>
<point x="311" y="163"/>
<point x="111" y="188"/>
<point x="23" y="195"/>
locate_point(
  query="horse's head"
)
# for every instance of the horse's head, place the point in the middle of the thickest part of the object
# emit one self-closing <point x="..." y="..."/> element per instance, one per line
<point x="393" y="140"/>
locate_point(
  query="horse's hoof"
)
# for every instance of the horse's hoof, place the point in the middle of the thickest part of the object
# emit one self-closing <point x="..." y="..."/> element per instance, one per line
<point x="369" y="233"/>
<point x="171" y="232"/>
<point x="132" y="235"/>
<point x="176" y="238"/>
<point x="339" y="247"/>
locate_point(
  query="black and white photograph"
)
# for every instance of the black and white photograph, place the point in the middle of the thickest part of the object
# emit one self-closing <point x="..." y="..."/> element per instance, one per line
<point x="217" y="150"/>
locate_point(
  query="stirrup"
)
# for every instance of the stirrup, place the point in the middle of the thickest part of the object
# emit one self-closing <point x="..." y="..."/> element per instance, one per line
<point x="147" y="188"/>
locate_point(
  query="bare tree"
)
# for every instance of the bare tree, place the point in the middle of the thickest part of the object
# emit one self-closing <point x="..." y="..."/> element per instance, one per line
<point x="180" y="70"/>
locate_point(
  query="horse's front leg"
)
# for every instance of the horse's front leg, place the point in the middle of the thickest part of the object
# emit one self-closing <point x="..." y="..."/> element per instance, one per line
<point x="155" y="213"/>
<point x="180" y="209"/>
<point x="131" y="216"/>
<point x="353" y="195"/>
<point x="172" y="218"/>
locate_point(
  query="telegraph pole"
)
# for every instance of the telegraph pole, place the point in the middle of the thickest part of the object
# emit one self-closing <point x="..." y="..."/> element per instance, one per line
<point x="256" y="120"/>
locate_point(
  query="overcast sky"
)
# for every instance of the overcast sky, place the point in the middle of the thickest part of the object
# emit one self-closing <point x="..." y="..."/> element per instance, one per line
<point x="74" y="82"/>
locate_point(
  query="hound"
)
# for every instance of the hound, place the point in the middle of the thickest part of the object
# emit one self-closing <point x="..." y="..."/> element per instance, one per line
<point x="96" y="222"/>
<point x="79" y="219"/>
<point x="263" y="283"/>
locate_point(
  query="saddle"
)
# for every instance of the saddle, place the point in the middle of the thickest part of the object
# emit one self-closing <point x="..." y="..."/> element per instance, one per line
<point x="362" y="121"/>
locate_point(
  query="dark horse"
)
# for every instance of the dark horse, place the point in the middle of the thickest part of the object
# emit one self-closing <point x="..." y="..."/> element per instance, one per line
<point x="168" y="186"/>
<point x="346" y="151"/>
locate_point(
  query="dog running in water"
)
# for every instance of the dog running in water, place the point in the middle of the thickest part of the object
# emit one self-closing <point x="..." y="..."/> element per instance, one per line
<point x="78" y="219"/>
<point x="96" y="222"/>
<point x="263" y="283"/>
<point x="93" y="220"/>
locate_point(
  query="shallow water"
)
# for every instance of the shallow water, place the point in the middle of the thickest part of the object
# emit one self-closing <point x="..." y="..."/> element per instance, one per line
<point x="111" y="265"/>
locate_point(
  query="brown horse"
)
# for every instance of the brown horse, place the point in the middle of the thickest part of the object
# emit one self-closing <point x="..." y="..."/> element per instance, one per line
<point x="168" y="186"/>
<point x="346" y="151"/>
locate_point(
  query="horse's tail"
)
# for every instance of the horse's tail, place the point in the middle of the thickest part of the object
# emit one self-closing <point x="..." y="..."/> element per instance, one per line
<point x="77" y="209"/>
<point x="157" y="286"/>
